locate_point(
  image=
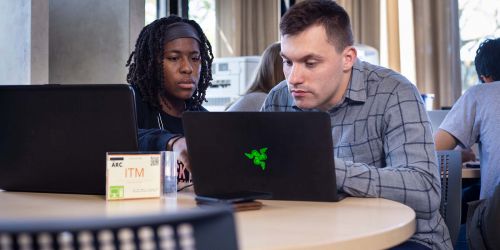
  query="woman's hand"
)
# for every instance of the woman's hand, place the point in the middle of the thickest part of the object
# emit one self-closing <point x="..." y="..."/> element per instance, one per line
<point x="180" y="147"/>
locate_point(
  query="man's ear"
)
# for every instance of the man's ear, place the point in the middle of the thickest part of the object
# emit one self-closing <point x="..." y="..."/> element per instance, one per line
<point x="349" y="54"/>
<point x="487" y="79"/>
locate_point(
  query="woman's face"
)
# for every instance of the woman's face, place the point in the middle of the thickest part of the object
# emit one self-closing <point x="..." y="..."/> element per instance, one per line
<point x="181" y="68"/>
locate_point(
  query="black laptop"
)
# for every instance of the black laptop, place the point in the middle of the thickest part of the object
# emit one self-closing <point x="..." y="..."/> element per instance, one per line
<point x="54" y="138"/>
<point x="287" y="154"/>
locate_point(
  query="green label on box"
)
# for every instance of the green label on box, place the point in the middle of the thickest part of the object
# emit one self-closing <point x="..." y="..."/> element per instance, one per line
<point x="116" y="192"/>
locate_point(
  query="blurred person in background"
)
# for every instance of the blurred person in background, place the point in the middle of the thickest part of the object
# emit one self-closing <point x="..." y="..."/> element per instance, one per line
<point x="475" y="118"/>
<point x="268" y="74"/>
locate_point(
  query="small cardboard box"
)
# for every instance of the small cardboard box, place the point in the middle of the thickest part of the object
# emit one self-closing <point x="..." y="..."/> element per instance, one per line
<point x="133" y="175"/>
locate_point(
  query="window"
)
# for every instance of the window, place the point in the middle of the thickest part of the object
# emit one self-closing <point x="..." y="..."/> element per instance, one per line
<point x="203" y="12"/>
<point x="405" y="37"/>
<point x="478" y="20"/>
<point x="151" y="11"/>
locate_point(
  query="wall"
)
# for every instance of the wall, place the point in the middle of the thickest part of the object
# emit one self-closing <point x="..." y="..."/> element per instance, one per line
<point x="90" y="41"/>
<point x="15" y="42"/>
<point x="67" y="41"/>
<point x="39" y="42"/>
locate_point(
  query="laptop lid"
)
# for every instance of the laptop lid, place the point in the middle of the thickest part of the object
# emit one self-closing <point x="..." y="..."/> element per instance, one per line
<point x="436" y="117"/>
<point x="54" y="138"/>
<point x="289" y="154"/>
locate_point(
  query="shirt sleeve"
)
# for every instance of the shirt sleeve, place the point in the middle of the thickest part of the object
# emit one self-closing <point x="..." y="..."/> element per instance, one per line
<point x="154" y="139"/>
<point x="461" y="120"/>
<point x="249" y="102"/>
<point x="410" y="174"/>
<point x="278" y="99"/>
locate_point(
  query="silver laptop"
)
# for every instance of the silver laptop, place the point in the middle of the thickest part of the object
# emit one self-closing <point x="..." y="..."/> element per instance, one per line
<point x="436" y="117"/>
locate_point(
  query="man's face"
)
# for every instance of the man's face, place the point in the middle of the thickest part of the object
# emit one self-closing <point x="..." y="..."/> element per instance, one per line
<point x="181" y="67"/>
<point x="316" y="73"/>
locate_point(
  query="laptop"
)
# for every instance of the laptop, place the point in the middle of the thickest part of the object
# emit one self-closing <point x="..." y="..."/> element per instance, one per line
<point x="436" y="117"/>
<point x="54" y="138"/>
<point x="287" y="154"/>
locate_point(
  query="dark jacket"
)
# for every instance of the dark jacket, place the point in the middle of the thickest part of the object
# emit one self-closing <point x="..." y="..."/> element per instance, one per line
<point x="151" y="137"/>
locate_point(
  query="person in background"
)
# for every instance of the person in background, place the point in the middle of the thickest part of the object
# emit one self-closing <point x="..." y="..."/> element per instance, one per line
<point x="170" y="71"/>
<point x="475" y="118"/>
<point x="268" y="74"/>
<point x="381" y="134"/>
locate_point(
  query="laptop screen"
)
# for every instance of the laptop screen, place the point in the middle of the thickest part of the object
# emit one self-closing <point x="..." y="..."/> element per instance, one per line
<point x="436" y="117"/>
<point x="288" y="154"/>
<point x="55" y="137"/>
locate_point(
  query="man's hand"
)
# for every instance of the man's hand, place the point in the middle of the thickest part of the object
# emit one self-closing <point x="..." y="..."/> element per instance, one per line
<point x="468" y="155"/>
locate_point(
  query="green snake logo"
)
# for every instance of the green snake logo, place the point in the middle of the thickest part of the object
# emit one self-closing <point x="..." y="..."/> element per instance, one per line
<point x="258" y="157"/>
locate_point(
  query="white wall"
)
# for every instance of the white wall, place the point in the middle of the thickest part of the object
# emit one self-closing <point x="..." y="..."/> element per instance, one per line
<point x="90" y="40"/>
<point x="67" y="41"/>
<point x="15" y="42"/>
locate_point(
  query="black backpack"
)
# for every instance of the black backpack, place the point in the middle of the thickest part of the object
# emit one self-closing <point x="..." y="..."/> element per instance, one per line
<point x="483" y="223"/>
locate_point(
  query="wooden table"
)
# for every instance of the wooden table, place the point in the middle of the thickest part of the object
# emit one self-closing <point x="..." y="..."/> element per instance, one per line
<point x="360" y="223"/>
<point x="471" y="173"/>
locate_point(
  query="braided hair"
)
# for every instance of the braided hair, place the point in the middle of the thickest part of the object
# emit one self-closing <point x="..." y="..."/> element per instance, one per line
<point x="146" y="67"/>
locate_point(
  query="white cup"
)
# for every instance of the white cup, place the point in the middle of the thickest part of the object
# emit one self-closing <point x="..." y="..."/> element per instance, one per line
<point x="428" y="99"/>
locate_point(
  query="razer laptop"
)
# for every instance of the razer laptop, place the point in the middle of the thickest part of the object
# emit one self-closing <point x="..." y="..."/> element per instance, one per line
<point x="286" y="154"/>
<point x="54" y="138"/>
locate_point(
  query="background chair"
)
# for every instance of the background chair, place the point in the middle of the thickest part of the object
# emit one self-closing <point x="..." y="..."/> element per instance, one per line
<point x="450" y="165"/>
<point x="199" y="228"/>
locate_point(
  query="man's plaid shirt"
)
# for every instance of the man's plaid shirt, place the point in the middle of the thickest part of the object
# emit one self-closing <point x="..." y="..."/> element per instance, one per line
<point x="383" y="145"/>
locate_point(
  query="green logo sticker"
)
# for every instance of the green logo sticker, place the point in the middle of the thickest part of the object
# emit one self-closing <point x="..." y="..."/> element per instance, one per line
<point x="116" y="192"/>
<point x="258" y="157"/>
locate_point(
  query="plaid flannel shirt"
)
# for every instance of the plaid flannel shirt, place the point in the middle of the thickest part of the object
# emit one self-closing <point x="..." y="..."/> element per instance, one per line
<point x="383" y="145"/>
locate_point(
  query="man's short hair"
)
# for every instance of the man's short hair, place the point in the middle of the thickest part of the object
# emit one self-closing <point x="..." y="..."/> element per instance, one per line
<point x="487" y="59"/>
<point x="327" y="13"/>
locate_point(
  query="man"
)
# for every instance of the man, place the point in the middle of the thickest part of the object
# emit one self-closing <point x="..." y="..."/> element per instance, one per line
<point x="475" y="117"/>
<point x="381" y="134"/>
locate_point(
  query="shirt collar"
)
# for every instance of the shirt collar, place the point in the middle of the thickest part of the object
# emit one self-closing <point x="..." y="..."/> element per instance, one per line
<point x="356" y="90"/>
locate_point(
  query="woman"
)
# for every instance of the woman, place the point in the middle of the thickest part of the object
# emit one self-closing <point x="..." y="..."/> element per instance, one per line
<point x="269" y="73"/>
<point x="170" y="70"/>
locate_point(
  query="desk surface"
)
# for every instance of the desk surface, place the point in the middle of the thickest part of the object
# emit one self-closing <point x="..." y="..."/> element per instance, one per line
<point x="471" y="173"/>
<point x="360" y="223"/>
